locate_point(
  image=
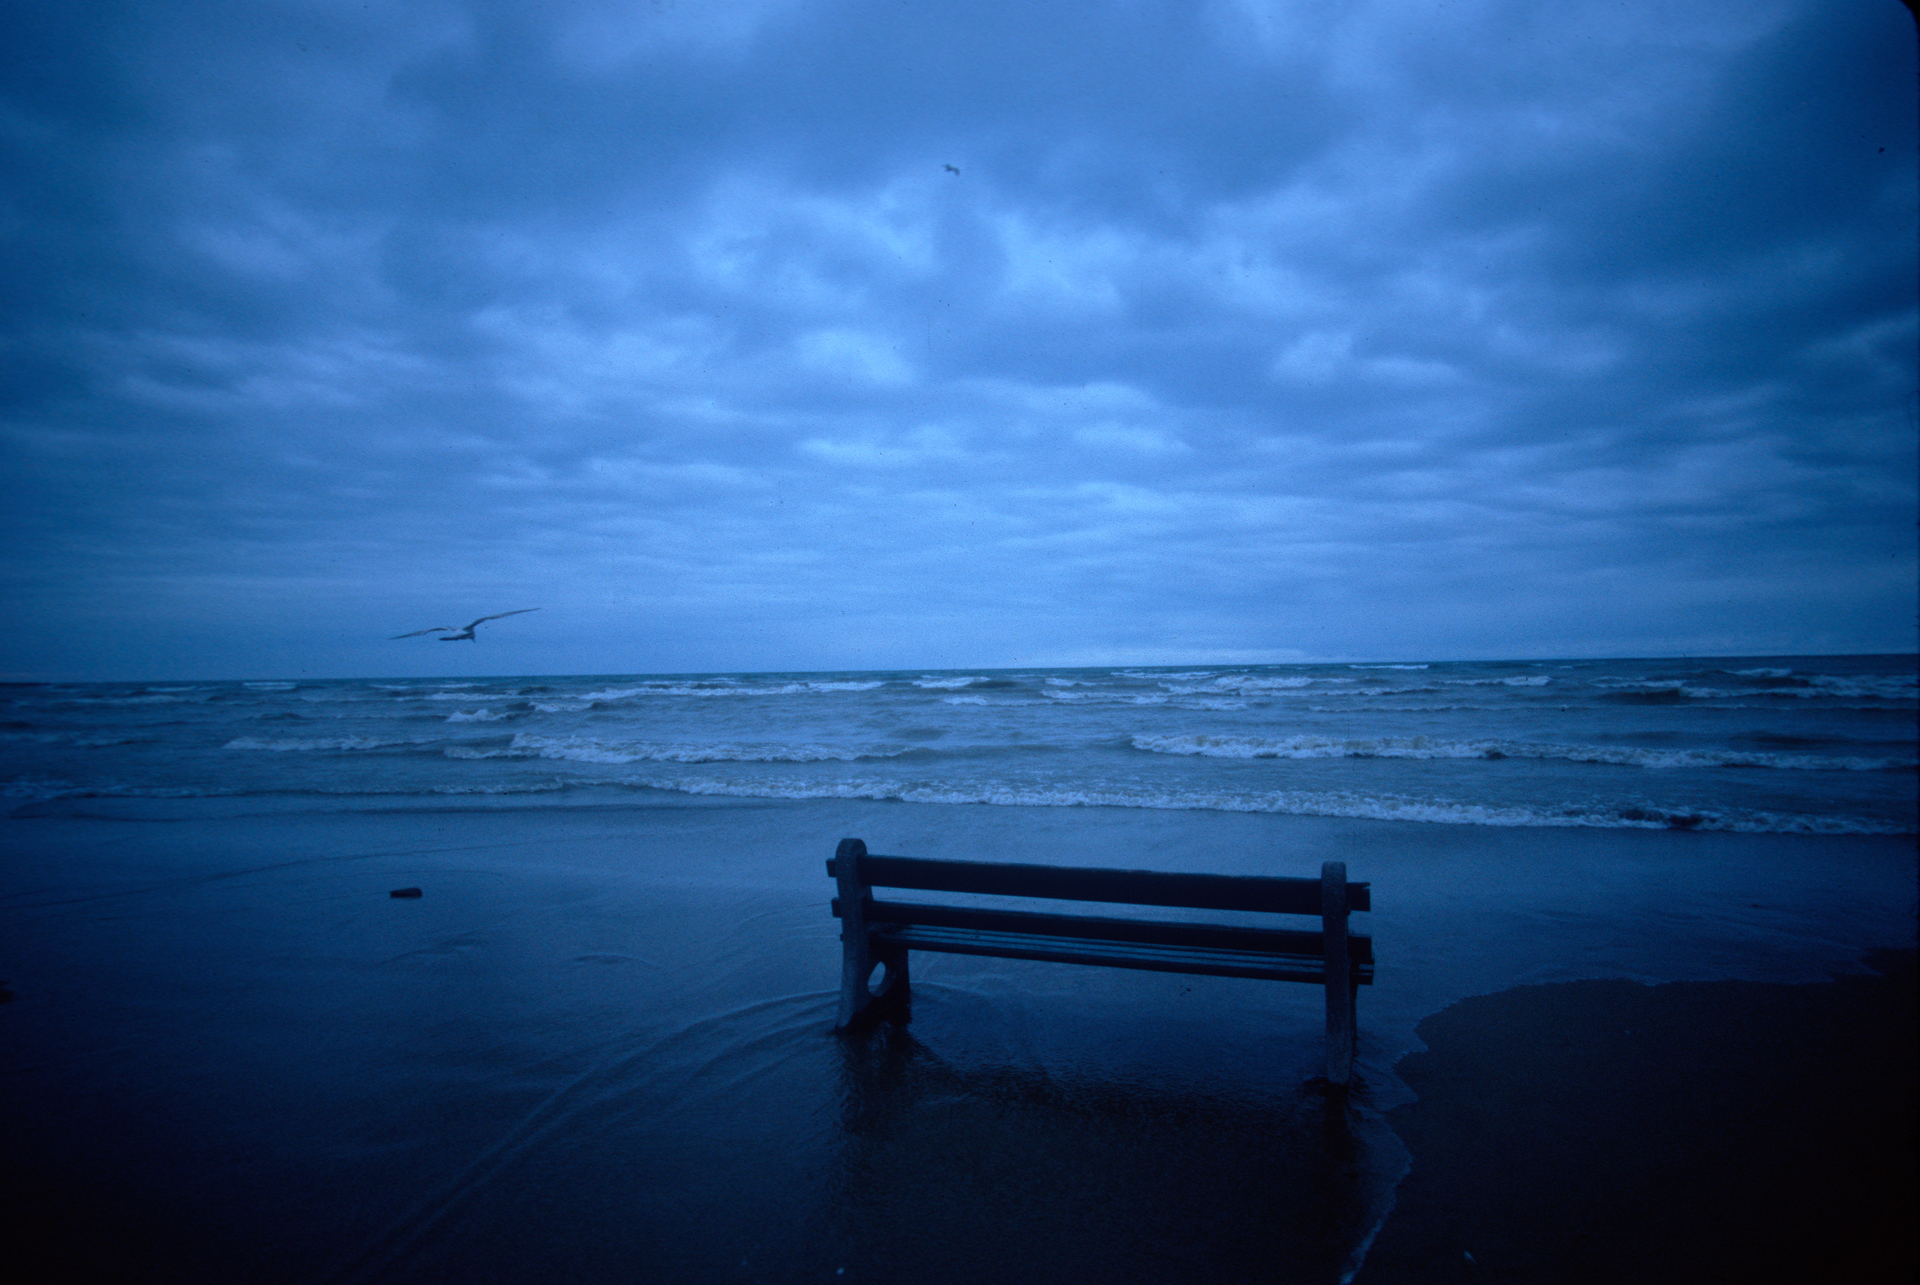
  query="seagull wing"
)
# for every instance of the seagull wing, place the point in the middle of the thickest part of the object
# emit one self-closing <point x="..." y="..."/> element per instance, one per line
<point x="437" y="629"/>
<point x="523" y="611"/>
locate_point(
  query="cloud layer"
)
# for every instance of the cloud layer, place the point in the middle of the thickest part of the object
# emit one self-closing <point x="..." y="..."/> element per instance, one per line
<point x="780" y="336"/>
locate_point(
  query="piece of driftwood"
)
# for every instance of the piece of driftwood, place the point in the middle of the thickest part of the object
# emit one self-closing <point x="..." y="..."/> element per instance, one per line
<point x="877" y="936"/>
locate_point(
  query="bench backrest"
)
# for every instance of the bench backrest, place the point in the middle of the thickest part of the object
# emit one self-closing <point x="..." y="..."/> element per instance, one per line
<point x="1269" y="893"/>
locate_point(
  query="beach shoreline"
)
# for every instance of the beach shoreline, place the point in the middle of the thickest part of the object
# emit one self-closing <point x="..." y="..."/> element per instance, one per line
<point x="598" y="1044"/>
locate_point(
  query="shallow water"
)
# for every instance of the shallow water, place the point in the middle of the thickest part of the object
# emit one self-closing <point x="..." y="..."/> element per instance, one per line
<point x="597" y="1047"/>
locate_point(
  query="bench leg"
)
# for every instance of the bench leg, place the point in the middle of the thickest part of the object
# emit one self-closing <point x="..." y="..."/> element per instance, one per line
<point x="1340" y="982"/>
<point x="856" y="962"/>
<point x="858" y="999"/>
<point x="858" y="953"/>
<point x="1341" y="1010"/>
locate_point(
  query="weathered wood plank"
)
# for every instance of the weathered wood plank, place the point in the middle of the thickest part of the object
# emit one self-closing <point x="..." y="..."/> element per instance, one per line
<point x="1268" y="893"/>
<point x="1067" y="950"/>
<point x="1279" y="941"/>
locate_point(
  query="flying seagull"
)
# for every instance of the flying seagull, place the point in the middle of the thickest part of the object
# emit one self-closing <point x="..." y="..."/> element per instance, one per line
<point x="466" y="632"/>
<point x="953" y="169"/>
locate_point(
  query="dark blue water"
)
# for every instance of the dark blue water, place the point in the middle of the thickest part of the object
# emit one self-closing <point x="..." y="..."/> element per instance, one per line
<point x="1781" y="744"/>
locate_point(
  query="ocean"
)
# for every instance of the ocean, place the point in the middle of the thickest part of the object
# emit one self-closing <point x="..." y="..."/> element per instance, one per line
<point x="1821" y="745"/>
<point x="598" y="1046"/>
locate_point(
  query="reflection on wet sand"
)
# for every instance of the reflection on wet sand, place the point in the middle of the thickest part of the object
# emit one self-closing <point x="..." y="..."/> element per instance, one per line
<point x="976" y="1173"/>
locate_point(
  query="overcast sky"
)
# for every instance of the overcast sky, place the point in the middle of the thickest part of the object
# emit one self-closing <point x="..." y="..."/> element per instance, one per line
<point x="810" y="334"/>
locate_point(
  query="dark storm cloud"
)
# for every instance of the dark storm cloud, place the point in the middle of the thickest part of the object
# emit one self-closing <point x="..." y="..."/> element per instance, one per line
<point x="778" y="334"/>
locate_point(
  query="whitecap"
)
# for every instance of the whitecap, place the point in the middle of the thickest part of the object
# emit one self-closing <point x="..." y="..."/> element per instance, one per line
<point x="1422" y="747"/>
<point x="310" y="745"/>
<point x="582" y="749"/>
<point x="1528" y="680"/>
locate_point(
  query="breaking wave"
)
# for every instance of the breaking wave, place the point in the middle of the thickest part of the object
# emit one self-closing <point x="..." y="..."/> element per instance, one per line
<point x="582" y="749"/>
<point x="1287" y="802"/>
<point x="318" y="744"/>
<point x="1422" y="747"/>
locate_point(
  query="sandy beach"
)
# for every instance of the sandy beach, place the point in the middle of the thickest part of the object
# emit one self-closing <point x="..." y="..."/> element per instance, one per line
<point x="1606" y="1131"/>
<point x="597" y="1048"/>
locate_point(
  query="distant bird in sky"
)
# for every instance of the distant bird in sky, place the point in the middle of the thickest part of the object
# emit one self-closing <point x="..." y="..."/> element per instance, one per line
<point x="465" y="631"/>
<point x="953" y="169"/>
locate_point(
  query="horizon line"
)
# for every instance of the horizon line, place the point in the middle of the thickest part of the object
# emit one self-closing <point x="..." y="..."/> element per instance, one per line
<point x="25" y="680"/>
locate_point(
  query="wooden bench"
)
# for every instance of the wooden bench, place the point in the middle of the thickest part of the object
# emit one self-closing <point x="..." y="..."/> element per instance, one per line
<point x="880" y="934"/>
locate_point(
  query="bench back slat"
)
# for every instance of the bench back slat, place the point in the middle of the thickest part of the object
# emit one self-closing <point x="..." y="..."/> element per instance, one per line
<point x="1281" y="941"/>
<point x="1269" y="893"/>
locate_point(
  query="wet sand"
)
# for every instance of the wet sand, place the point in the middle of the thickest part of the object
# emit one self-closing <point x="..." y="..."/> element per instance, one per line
<point x="597" y="1047"/>
<point x="1603" y="1131"/>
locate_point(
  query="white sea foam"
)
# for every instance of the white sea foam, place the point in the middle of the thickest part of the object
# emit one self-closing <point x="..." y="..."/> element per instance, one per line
<point x="1423" y="747"/>
<point x="581" y="749"/>
<point x="307" y="745"/>
<point x="81" y="740"/>
<point x="1904" y="687"/>
<point x="1108" y="697"/>
<point x="715" y="688"/>
<point x="1525" y="680"/>
<point x="610" y="695"/>
<point x="1294" y="803"/>
<point x="1245" y="685"/>
<point x="1777" y="682"/>
<point x="1450" y="707"/>
<point x="1572" y="738"/>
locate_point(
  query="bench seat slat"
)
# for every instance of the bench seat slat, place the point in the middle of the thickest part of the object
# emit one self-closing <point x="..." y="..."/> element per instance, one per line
<point x="1273" y="941"/>
<point x="1270" y="893"/>
<point x="1112" y="954"/>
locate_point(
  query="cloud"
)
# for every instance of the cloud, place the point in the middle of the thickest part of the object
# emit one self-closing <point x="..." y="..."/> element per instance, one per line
<point x="1354" y="330"/>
